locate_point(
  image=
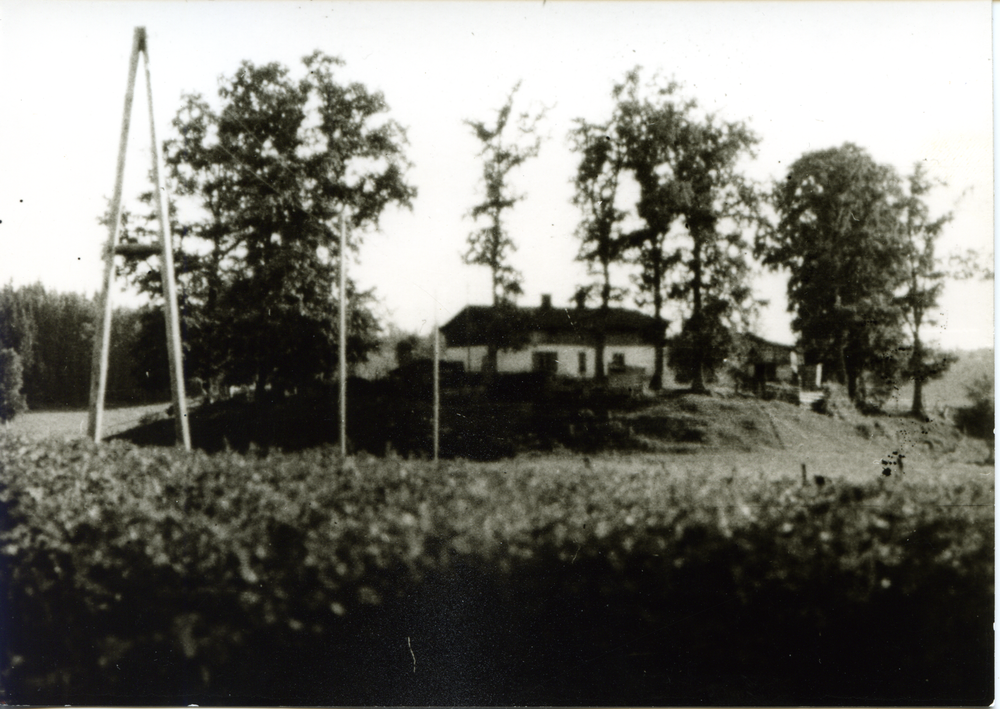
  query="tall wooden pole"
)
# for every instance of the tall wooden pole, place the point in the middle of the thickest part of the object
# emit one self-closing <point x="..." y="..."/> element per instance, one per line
<point x="343" y="337"/>
<point x="437" y="385"/>
<point x="102" y="336"/>
<point x="102" y="339"/>
<point x="175" y="357"/>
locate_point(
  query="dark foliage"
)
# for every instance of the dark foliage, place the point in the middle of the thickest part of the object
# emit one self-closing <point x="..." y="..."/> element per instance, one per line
<point x="703" y="345"/>
<point x="151" y="576"/>
<point x="838" y="234"/>
<point x="12" y="401"/>
<point x="693" y="205"/>
<point x="267" y="177"/>
<point x="54" y="335"/>
<point x="978" y="419"/>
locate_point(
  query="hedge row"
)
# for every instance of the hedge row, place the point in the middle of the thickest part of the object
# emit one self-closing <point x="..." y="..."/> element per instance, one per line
<point x="153" y="576"/>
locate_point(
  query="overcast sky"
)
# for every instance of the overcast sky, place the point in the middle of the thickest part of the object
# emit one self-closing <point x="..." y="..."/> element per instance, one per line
<point x="909" y="81"/>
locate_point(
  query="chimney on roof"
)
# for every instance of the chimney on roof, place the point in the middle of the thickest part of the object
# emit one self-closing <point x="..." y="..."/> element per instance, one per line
<point x="546" y="300"/>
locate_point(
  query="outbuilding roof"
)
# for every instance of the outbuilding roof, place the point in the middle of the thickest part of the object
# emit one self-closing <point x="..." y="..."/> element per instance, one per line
<point x="761" y="350"/>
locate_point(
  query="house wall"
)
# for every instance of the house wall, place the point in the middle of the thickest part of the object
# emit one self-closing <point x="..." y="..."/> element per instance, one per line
<point x="567" y="358"/>
<point x="471" y="357"/>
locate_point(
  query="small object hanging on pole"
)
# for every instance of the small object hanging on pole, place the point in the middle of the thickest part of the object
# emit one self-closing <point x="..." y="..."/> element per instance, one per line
<point x="342" y="356"/>
<point x="102" y="340"/>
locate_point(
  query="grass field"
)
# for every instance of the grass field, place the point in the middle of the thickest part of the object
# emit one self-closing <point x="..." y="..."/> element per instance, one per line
<point x="72" y="423"/>
<point x="739" y="435"/>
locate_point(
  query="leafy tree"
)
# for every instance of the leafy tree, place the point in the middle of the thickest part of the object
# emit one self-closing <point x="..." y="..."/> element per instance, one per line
<point x="694" y="205"/>
<point x="837" y="234"/>
<point x="491" y="245"/>
<point x="970" y="264"/>
<point x="12" y="401"/>
<point x="716" y="203"/>
<point x="18" y="328"/>
<point x="52" y="334"/>
<point x="266" y="178"/>
<point x="602" y="161"/>
<point x="924" y="283"/>
<point x="649" y="127"/>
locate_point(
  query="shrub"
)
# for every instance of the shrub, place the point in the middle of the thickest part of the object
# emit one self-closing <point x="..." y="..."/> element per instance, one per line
<point x="151" y="575"/>
<point x="12" y="401"/>
<point x="978" y="419"/>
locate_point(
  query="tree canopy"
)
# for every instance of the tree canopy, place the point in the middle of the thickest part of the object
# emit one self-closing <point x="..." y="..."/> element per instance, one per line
<point x="924" y="282"/>
<point x="491" y="245"/>
<point x="261" y="183"/>
<point x="837" y="234"/>
<point x="602" y="243"/>
<point x="693" y="204"/>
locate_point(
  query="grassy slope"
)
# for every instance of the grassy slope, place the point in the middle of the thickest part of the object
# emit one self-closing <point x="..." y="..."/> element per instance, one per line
<point x="772" y="433"/>
<point x="775" y="435"/>
<point x="765" y="436"/>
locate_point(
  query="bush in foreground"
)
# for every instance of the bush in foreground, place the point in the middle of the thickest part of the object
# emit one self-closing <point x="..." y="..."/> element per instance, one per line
<point x="154" y="576"/>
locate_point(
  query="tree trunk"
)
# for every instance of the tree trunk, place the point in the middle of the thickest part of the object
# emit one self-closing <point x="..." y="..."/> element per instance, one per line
<point x="917" y="409"/>
<point x="698" y="383"/>
<point x="656" y="383"/>
<point x="599" y="372"/>
<point x="491" y="361"/>
<point x="916" y="360"/>
<point x="840" y="373"/>
<point x="852" y="385"/>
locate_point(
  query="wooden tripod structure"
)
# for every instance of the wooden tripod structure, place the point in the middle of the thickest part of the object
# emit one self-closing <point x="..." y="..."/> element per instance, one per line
<point x="102" y="344"/>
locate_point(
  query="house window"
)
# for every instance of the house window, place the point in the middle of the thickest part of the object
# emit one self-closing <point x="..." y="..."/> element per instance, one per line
<point x="581" y="359"/>
<point x="618" y="361"/>
<point x="544" y="362"/>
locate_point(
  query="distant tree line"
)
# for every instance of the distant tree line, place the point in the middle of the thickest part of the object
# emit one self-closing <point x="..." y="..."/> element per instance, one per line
<point x="51" y="334"/>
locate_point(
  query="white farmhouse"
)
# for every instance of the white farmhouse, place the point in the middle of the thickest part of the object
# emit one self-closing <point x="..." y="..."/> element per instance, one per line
<point x="558" y="341"/>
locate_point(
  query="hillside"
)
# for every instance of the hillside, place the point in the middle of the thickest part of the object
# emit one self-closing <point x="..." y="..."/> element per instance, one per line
<point x="479" y="428"/>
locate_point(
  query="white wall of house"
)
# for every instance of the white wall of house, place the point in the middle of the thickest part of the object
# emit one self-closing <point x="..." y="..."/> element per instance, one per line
<point x="635" y="356"/>
<point x="567" y="358"/>
<point x="471" y="357"/>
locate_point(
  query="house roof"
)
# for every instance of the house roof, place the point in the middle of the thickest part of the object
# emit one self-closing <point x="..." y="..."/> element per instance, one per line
<point x="474" y="323"/>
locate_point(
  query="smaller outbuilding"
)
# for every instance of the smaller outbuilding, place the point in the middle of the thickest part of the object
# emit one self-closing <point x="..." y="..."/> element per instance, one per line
<point x="766" y="362"/>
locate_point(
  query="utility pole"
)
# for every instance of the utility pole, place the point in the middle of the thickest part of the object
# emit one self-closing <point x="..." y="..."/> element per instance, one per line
<point x="437" y="385"/>
<point x="102" y="339"/>
<point x="343" y="338"/>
